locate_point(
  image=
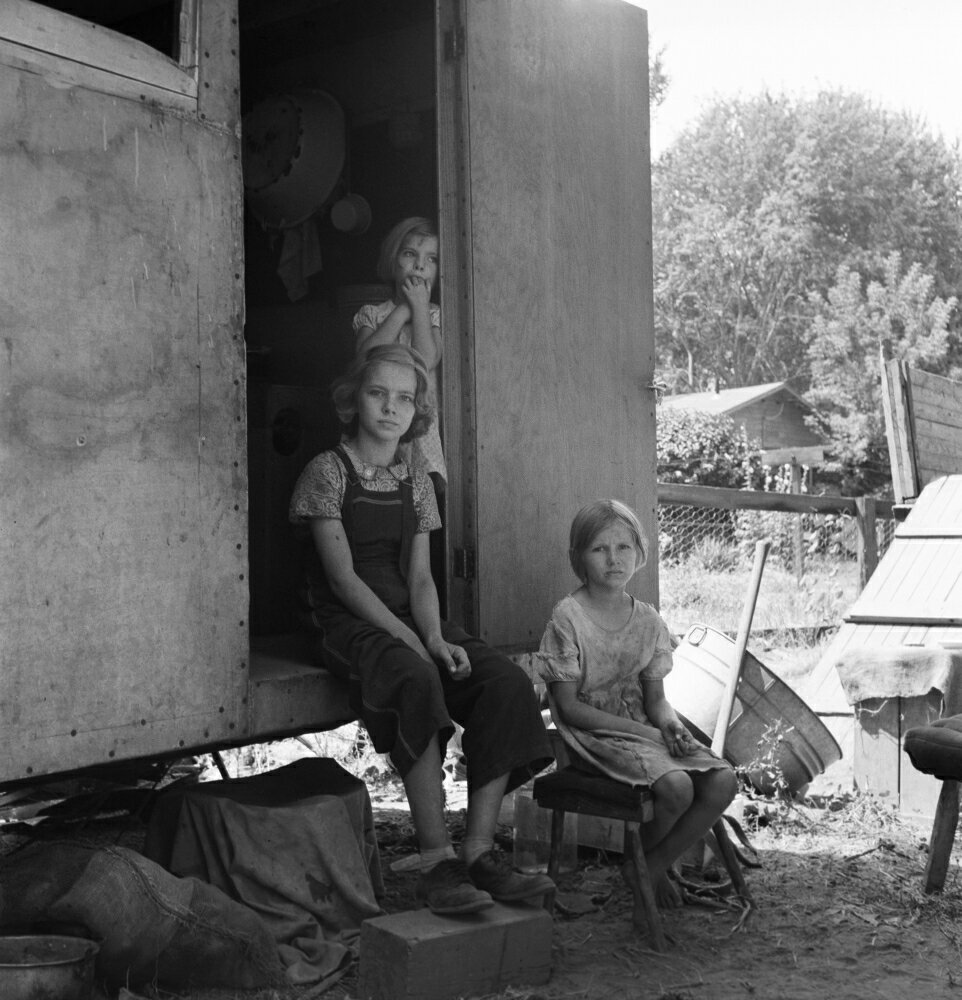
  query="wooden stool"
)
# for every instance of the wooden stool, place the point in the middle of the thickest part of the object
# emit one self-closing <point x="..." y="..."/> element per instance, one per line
<point x="937" y="750"/>
<point x="570" y="790"/>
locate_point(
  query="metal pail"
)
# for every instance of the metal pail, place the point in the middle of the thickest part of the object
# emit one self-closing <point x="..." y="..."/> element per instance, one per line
<point x="798" y="745"/>
<point x="46" y="967"/>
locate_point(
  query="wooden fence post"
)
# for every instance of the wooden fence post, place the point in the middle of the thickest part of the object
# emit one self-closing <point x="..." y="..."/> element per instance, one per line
<point x="797" y="539"/>
<point x="867" y="539"/>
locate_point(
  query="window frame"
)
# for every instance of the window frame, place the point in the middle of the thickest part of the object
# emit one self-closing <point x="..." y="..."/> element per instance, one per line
<point x="71" y="51"/>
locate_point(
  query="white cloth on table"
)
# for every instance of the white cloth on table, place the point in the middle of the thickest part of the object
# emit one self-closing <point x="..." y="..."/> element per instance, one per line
<point x="902" y="672"/>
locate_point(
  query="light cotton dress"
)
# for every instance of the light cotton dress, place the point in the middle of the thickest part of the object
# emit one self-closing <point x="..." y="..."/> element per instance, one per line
<point x="608" y="665"/>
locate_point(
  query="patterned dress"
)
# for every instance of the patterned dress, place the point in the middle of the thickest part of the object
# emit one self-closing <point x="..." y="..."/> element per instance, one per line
<point x="609" y="665"/>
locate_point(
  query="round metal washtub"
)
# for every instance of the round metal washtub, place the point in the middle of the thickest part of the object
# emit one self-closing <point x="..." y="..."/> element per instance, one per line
<point x="46" y="967"/>
<point x="770" y="728"/>
<point x="293" y="150"/>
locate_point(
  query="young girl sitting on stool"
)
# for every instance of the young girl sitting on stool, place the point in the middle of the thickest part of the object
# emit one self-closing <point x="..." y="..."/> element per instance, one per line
<point x="603" y="657"/>
<point x="371" y="602"/>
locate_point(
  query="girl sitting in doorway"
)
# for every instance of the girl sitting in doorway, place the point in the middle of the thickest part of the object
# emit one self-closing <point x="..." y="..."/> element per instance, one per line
<point x="370" y="600"/>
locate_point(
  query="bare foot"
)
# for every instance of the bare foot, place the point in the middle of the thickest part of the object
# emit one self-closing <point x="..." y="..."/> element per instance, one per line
<point x="666" y="895"/>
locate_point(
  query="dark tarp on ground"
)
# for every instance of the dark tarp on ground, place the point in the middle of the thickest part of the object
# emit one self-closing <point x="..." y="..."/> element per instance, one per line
<point x="296" y="845"/>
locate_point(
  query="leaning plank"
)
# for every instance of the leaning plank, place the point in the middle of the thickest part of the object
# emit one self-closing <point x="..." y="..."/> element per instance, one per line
<point x="898" y="430"/>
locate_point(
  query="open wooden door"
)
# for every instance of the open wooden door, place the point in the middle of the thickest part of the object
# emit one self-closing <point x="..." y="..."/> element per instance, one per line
<point x="123" y="511"/>
<point x="545" y="184"/>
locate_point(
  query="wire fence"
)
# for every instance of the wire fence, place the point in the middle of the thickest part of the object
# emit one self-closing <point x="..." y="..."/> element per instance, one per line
<point x="814" y="571"/>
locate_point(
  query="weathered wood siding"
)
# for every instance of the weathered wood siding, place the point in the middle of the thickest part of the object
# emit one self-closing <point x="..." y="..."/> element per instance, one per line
<point x="937" y="424"/>
<point x="123" y="598"/>
<point x="777" y="421"/>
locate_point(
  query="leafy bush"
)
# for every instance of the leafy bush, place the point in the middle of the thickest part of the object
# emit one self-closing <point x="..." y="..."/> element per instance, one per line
<point x="706" y="449"/>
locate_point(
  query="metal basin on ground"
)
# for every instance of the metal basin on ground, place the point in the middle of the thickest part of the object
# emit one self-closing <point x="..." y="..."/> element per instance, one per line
<point x="46" y="967"/>
<point x="773" y="734"/>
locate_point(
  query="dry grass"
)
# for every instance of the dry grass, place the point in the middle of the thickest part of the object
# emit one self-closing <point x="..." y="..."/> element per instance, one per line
<point x="698" y="592"/>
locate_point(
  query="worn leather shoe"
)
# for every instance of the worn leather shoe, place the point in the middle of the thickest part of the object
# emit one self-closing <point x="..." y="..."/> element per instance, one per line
<point x="446" y="889"/>
<point x="493" y="873"/>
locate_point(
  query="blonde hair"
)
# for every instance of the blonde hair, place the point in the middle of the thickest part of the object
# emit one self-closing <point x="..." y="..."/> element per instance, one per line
<point x="345" y="389"/>
<point x="416" y="225"/>
<point x="592" y="519"/>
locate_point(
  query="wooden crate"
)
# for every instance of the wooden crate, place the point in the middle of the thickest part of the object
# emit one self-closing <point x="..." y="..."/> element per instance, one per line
<point x="880" y="766"/>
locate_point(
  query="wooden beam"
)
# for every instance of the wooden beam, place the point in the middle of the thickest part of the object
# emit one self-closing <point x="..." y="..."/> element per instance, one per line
<point x="867" y="540"/>
<point x="730" y="499"/>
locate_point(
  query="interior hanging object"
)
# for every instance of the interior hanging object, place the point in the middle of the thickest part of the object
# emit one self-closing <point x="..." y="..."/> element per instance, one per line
<point x="293" y="153"/>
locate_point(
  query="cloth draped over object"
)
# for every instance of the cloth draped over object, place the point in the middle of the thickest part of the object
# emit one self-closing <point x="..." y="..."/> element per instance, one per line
<point x="151" y="926"/>
<point x="295" y="845"/>
<point x="902" y="672"/>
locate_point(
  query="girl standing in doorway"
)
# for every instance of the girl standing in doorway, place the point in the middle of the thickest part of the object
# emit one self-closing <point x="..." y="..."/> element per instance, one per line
<point x="408" y="262"/>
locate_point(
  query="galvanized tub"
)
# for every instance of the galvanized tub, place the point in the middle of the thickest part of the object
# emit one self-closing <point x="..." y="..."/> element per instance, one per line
<point x="46" y="967"/>
<point x="795" y="744"/>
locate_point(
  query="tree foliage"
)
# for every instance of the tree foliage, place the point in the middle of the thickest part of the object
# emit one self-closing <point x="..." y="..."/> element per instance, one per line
<point x="658" y="79"/>
<point x="758" y="206"/>
<point x="898" y="313"/>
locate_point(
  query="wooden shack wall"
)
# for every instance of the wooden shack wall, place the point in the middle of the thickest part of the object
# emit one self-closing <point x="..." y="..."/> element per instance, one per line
<point x="777" y="422"/>
<point x="936" y="408"/>
<point x="123" y="598"/>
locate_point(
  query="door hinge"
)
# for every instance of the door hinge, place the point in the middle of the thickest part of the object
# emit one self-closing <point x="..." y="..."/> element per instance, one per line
<point x="464" y="564"/>
<point x="453" y="44"/>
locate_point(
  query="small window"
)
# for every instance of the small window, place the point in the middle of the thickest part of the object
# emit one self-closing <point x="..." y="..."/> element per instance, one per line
<point x="154" y="22"/>
<point x="141" y="49"/>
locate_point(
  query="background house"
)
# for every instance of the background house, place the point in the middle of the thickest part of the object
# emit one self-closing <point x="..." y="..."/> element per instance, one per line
<point x="771" y="414"/>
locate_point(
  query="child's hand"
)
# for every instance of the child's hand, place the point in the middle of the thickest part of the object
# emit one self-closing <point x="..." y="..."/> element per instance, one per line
<point x="453" y="657"/>
<point x="679" y="741"/>
<point x="417" y="292"/>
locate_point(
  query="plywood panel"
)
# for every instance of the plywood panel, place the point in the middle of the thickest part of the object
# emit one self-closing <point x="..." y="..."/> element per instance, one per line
<point x="561" y="290"/>
<point x="937" y="512"/>
<point x="919" y="580"/>
<point x="123" y="591"/>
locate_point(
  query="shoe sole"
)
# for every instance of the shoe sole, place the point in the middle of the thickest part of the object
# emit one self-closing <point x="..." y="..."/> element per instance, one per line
<point x="459" y="911"/>
<point x="518" y="897"/>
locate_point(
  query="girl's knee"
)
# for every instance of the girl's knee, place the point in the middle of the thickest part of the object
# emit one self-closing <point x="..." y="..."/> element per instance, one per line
<point x="721" y="786"/>
<point x="673" y="792"/>
<point x="418" y="677"/>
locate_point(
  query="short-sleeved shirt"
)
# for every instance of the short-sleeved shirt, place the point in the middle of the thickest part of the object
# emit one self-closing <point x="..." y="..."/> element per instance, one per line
<point x="320" y="489"/>
<point x="425" y="451"/>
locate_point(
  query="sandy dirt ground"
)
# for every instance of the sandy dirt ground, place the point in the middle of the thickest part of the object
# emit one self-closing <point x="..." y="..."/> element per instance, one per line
<point x="838" y="912"/>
